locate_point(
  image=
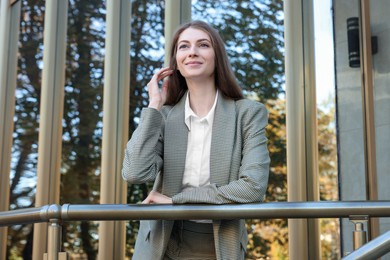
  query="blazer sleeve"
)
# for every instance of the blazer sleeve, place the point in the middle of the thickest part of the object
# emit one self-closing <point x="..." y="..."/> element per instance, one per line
<point x="252" y="181"/>
<point x="143" y="155"/>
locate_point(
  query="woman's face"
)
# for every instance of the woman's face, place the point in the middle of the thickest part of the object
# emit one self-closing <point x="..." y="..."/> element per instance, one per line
<point x="195" y="56"/>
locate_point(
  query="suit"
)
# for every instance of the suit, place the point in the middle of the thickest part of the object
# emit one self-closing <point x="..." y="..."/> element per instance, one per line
<point x="239" y="169"/>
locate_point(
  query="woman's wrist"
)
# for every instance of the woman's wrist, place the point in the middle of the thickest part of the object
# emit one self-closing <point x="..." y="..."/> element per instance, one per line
<point x="155" y="105"/>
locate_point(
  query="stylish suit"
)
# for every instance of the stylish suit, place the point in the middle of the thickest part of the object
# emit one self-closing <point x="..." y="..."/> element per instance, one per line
<point x="239" y="168"/>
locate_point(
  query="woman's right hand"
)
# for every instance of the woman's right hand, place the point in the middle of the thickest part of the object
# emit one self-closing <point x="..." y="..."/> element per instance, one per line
<point x="157" y="96"/>
<point x="155" y="197"/>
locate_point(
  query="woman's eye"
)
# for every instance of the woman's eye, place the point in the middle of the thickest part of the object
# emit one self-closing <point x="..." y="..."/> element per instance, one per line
<point x="182" y="46"/>
<point x="204" y="45"/>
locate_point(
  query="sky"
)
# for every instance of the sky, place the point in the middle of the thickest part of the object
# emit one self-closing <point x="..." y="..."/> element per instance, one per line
<point x="324" y="50"/>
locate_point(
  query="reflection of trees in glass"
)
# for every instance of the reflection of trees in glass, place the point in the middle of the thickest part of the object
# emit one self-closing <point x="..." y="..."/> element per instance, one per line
<point x="327" y="147"/>
<point x="253" y="32"/>
<point x="24" y="149"/>
<point x="82" y="121"/>
<point x="146" y="55"/>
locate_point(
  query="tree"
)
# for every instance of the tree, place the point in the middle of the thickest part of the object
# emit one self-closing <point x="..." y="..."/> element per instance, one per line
<point x="268" y="238"/>
<point x="253" y="33"/>
<point x="24" y="149"/>
<point x="327" y="147"/>
<point x="82" y="117"/>
<point x="146" y="55"/>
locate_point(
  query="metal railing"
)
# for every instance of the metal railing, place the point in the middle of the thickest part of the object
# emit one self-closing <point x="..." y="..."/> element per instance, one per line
<point x="357" y="211"/>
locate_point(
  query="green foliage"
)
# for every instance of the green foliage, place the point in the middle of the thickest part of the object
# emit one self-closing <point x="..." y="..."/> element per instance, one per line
<point x="25" y="144"/>
<point x="82" y="123"/>
<point x="82" y="116"/>
<point x="146" y="55"/>
<point x="253" y="33"/>
<point x="327" y="148"/>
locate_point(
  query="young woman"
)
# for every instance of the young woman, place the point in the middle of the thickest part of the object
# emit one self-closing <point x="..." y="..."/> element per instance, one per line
<point x="200" y="141"/>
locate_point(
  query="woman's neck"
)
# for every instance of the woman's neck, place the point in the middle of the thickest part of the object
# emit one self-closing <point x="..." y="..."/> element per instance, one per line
<point x="202" y="97"/>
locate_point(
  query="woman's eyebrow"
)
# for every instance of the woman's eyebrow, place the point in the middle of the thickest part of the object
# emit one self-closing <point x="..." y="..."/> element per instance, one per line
<point x="200" y="40"/>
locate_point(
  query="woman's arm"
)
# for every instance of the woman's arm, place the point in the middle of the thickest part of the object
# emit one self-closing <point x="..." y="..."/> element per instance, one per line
<point x="143" y="155"/>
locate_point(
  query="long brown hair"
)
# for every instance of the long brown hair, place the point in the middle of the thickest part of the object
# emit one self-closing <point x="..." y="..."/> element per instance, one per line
<point x="225" y="80"/>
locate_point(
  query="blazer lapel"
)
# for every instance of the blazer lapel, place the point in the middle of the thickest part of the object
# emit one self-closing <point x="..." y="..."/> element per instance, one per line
<point x="175" y="149"/>
<point x="222" y="140"/>
<point x="175" y="145"/>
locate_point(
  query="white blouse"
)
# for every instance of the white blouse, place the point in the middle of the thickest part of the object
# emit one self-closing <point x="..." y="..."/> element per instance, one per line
<point x="197" y="166"/>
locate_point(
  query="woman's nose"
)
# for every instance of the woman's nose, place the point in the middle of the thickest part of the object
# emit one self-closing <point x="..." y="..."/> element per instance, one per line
<point x="193" y="51"/>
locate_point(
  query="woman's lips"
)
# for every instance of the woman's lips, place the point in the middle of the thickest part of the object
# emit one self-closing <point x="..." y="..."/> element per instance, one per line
<point x="193" y="63"/>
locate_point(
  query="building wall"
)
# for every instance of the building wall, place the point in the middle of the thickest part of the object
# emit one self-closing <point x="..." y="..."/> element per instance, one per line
<point x="380" y="26"/>
<point x="350" y="110"/>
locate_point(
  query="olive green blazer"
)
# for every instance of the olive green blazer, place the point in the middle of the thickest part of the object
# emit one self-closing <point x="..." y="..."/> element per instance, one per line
<point x="239" y="169"/>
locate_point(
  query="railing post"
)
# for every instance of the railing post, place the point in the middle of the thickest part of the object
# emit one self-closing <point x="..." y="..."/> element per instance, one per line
<point x="359" y="234"/>
<point x="54" y="240"/>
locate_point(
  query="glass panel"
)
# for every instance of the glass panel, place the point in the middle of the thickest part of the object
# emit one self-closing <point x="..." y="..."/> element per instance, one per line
<point x="326" y="118"/>
<point x="253" y="34"/>
<point x="380" y="29"/>
<point x="146" y="56"/>
<point x="82" y="121"/>
<point x="25" y="144"/>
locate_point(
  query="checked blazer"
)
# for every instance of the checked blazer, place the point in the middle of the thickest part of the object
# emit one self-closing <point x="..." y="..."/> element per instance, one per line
<point x="239" y="169"/>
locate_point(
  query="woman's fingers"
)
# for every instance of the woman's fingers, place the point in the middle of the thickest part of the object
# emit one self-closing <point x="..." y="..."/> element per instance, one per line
<point x="155" y="197"/>
<point x="163" y="73"/>
<point x="146" y="201"/>
<point x="157" y="97"/>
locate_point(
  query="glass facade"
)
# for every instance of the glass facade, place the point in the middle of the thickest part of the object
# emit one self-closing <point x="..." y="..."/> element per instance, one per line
<point x="105" y="75"/>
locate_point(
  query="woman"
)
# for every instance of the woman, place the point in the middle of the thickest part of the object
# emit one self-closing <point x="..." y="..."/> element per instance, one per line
<point x="200" y="141"/>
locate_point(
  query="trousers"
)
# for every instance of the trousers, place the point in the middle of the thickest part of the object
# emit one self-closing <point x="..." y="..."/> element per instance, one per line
<point x="191" y="241"/>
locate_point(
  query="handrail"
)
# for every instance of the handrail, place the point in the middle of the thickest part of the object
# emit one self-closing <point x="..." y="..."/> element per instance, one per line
<point x="372" y="250"/>
<point x="271" y="210"/>
<point x="27" y="215"/>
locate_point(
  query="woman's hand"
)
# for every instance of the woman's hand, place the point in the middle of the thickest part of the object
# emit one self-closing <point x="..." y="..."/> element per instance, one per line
<point x="158" y="97"/>
<point x="155" y="197"/>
